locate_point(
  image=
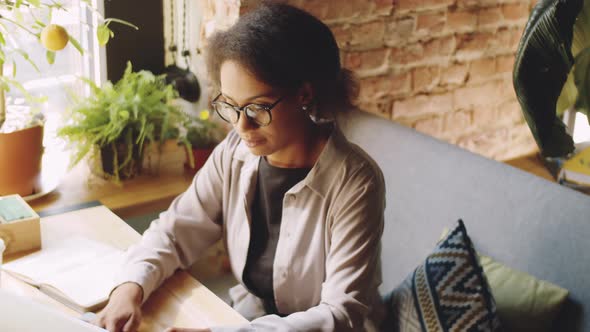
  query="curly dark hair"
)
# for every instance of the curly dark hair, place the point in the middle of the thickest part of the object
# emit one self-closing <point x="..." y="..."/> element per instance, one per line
<point x="285" y="47"/>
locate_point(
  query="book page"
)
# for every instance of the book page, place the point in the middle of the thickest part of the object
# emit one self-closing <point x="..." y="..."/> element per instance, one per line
<point x="87" y="285"/>
<point x="80" y="268"/>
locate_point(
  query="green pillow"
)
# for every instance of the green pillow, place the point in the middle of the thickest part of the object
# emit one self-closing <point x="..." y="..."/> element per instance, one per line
<point x="523" y="302"/>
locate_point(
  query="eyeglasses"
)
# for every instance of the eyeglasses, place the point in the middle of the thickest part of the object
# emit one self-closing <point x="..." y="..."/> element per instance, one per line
<point x="258" y="113"/>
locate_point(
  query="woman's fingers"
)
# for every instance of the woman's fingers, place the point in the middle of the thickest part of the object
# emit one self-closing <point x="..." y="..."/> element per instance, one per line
<point x="132" y="323"/>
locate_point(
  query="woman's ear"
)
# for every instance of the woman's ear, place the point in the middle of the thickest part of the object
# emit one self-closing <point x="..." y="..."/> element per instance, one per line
<point x="305" y="94"/>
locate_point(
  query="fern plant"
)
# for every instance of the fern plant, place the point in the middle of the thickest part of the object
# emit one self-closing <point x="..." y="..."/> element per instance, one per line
<point x="123" y="119"/>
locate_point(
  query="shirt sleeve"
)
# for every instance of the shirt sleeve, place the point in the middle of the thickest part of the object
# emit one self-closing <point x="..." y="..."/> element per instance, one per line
<point x="353" y="272"/>
<point x="182" y="233"/>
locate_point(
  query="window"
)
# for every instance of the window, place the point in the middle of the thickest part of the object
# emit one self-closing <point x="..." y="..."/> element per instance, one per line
<point x="581" y="129"/>
<point x="58" y="81"/>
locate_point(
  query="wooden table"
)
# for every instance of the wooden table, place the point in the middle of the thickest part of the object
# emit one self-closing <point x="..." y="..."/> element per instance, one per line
<point x="533" y="164"/>
<point x="181" y="301"/>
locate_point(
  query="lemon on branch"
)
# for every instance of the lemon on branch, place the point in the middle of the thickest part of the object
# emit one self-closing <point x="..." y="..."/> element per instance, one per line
<point x="54" y="37"/>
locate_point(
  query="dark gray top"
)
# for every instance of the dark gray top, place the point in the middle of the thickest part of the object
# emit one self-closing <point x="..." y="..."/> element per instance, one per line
<point x="273" y="183"/>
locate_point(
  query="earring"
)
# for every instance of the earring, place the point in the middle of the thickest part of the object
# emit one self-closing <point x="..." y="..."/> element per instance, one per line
<point x="304" y="108"/>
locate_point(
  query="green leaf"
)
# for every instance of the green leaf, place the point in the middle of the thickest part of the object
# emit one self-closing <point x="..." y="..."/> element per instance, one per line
<point x="50" y="55"/>
<point x="18" y="3"/>
<point x="103" y="33"/>
<point x="35" y="3"/>
<point x="13" y="68"/>
<point x="111" y="19"/>
<point x="543" y="62"/>
<point x="2" y="40"/>
<point x="76" y="44"/>
<point x="25" y="56"/>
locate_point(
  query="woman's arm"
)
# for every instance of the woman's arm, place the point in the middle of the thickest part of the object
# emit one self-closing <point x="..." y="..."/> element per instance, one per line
<point x="182" y="233"/>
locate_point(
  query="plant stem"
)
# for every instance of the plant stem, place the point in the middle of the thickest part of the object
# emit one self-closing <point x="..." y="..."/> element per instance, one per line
<point x="19" y="25"/>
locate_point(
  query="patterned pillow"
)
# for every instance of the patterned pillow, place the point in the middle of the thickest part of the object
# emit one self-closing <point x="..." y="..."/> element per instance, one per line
<point x="447" y="292"/>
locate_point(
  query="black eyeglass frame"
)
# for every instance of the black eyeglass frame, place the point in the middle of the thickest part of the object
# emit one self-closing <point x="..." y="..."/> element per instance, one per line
<point x="242" y="109"/>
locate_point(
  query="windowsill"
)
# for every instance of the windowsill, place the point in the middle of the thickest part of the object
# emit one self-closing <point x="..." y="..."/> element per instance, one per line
<point x="140" y="195"/>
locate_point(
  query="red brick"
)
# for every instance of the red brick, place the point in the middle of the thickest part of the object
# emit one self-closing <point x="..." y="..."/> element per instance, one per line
<point x="430" y="126"/>
<point x="407" y="55"/>
<point x="473" y="45"/>
<point x="352" y="60"/>
<point x="422" y="105"/>
<point x="398" y="32"/>
<point x="340" y="10"/>
<point x="407" y="5"/>
<point x="342" y="34"/>
<point x="424" y="79"/>
<point x="486" y="143"/>
<point x="455" y="74"/>
<point x="486" y="95"/>
<point x="367" y="60"/>
<point x="401" y="84"/>
<point x="439" y="47"/>
<point x="461" y="20"/>
<point x="457" y="122"/>
<point x="476" y="3"/>
<point x="380" y="107"/>
<point x="489" y="17"/>
<point x="505" y="63"/>
<point x="369" y="34"/>
<point x="375" y="87"/>
<point x="486" y="117"/>
<point x="430" y="23"/>
<point x="318" y="8"/>
<point x="510" y="113"/>
<point x="482" y="69"/>
<point x="504" y="38"/>
<point x="507" y="89"/>
<point x="515" y="11"/>
<point x="383" y="7"/>
<point x="516" y="35"/>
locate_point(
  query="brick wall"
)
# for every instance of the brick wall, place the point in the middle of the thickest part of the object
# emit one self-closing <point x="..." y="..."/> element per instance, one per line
<point x="442" y="67"/>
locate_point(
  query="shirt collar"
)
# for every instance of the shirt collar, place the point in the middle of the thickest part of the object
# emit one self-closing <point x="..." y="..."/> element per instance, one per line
<point x="319" y="178"/>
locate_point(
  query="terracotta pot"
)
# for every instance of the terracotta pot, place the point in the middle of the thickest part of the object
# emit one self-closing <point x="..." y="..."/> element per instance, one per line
<point x="20" y="160"/>
<point x="200" y="155"/>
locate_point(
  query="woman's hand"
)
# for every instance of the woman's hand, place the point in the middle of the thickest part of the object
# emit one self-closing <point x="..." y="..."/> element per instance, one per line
<point x="178" y="329"/>
<point x="123" y="312"/>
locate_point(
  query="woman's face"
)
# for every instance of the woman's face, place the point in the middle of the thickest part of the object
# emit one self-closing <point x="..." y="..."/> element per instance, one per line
<point x="281" y="138"/>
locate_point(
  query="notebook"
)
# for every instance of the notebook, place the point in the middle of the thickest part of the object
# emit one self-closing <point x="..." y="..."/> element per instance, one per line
<point x="18" y="313"/>
<point x="78" y="272"/>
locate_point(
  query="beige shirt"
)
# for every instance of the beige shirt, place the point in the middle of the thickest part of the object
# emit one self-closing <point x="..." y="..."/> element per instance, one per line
<point x="327" y="264"/>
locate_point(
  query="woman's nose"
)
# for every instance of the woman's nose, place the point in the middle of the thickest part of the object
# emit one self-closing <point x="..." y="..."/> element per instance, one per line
<point x="244" y="123"/>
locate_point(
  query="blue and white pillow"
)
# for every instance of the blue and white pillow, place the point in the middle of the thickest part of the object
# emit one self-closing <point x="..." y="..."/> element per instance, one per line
<point x="447" y="292"/>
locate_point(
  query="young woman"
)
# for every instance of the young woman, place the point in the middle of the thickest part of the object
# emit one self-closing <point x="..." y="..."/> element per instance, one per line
<point x="299" y="207"/>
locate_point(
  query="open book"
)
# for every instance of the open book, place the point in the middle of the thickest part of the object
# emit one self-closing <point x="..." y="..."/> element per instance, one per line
<point x="78" y="272"/>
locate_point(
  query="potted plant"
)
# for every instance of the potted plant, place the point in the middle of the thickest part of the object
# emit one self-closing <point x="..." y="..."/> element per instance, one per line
<point x="118" y="122"/>
<point x="21" y="137"/>
<point x="202" y="135"/>
<point x="551" y="72"/>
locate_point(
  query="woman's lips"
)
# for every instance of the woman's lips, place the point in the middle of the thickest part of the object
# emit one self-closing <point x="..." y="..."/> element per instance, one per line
<point x="253" y="142"/>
